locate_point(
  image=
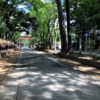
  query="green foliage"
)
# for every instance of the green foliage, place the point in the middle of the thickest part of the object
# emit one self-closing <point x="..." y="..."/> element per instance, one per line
<point x="25" y="43"/>
<point x="73" y="36"/>
<point x="85" y="14"/>
<point x="17" y="35"/>
<point x="41" y="19"/>
<point x="3" y="28"/>
<point x="12" y="20"/>
<point x="91" y="44"/>
<point x="45" y="16"/>
<point x="98" y="57"/>
<point x="35" y="40"/>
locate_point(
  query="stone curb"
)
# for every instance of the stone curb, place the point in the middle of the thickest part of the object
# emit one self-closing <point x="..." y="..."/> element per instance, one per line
<point x="83" y="61"/>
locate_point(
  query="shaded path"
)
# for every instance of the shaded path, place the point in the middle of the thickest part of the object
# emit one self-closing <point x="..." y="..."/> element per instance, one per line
<point x="42" y="79"/>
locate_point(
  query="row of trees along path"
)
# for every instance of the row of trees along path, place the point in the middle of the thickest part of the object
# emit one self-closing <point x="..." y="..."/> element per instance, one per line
<point x="45" y="21"/>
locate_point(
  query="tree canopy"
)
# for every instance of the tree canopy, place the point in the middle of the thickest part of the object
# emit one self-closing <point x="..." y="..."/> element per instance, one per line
<point x="45" y="21"/>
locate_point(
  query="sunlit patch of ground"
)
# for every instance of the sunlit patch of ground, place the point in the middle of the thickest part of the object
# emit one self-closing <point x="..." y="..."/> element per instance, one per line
<point x="84" y="56"/>
<point x="88" y="69"/>
<point x="76" y="65"/>
<point x="87" y="57"/>
<point x="6" y="63"/>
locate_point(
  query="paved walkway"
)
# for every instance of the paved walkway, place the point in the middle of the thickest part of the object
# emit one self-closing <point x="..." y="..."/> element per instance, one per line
<point x="42" y="78"/>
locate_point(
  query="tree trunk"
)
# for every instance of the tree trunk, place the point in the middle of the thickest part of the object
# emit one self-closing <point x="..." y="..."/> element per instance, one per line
<point x="50" y="41"/>
<point x="4" y="36"/>
<point x="97" y="53"/>
<point x="68" y="26"/>
<point x="50" y="45"/>
<point x="62" y="28"/>
<point x="0" y="35"/>
<point x="47" y="42"/>
<point x="55" y="38"/>
<point x="55" y="42"/>
<point x="5" y="17"/>
<point x="43" y="38"/>
<point x="43" y="42"/>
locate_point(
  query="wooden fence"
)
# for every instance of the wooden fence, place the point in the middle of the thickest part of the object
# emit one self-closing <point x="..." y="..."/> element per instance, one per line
<point x="4" y="42"/>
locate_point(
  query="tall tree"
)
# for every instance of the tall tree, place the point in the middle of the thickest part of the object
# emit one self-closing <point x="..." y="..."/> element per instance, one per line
<point x="64" y="46"/>
<point x="68" y="26"/>
<point x="45" y="16"/>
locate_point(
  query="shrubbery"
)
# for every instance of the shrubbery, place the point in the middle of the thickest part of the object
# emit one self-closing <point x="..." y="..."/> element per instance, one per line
<point x="98" y="57"/>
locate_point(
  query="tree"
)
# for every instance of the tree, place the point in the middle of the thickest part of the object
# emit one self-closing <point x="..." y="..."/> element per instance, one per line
<point x="84" y="18"/>
<point x="45" y="17"/>
<point x="62" y="28"/>
<point x="68" y="26"/>
<point x="91" y="44"/>
<point x="3" y="28"/>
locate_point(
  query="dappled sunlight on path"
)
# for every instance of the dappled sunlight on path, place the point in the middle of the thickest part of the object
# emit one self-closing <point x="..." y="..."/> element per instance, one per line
<point x="78" y="66"/>
<point x="43" y="79"/>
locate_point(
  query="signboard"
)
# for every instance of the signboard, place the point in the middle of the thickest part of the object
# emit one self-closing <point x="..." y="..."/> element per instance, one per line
<point x="86" y="33"/>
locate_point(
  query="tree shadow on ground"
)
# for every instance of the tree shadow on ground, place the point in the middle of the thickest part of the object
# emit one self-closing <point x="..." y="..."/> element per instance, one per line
<point x="78" y="66"/>
<point x="43" y="79"/>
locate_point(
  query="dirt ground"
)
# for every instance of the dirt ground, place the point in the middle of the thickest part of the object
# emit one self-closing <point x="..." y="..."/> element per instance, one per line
<point x="6" y="63"/>
<point x="76" y="65"/>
